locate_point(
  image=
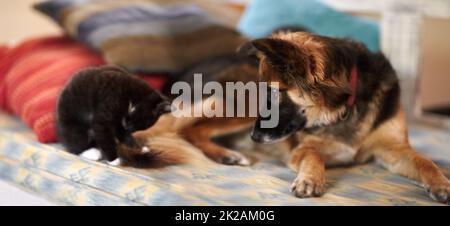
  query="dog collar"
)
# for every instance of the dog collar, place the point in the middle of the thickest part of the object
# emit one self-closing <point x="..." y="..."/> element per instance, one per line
<point x="353" y="86"/>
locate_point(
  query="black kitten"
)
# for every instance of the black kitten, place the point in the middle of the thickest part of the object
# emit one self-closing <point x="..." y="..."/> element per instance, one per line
<point x="101" y="107"/>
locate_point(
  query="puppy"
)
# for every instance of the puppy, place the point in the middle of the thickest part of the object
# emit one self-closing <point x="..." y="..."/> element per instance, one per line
<point x="339" y="104"/>
<point x="344" y="106"/>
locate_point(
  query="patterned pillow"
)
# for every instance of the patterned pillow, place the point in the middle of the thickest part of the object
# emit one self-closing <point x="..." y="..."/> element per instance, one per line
<point x="148" y="35"/>
<point x="33" y="73"/>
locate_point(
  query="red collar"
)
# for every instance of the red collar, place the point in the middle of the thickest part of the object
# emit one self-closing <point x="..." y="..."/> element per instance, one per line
<point x="353" y="86"/>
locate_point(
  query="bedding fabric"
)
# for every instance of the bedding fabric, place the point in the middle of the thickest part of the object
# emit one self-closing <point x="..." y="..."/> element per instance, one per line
<point x="69" y="180"/>
<point x="148" y="35"/>
<point x="262" y="17"/>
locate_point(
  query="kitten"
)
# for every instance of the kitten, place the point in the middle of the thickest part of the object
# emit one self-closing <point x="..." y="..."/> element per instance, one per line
<point x="101" y="107"/>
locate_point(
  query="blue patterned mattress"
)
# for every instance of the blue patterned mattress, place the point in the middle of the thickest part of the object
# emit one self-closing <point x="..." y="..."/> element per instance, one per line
<point x="68" y="180"/>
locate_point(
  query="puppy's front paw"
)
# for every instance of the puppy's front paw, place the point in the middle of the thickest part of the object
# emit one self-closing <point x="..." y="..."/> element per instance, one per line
<point x="306" y="186"/>
<point x="233" y="158"/>
<point x="440" y="191"/>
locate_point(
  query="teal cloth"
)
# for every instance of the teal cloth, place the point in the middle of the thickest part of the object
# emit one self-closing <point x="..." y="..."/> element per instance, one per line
<point x="264" y="16"/>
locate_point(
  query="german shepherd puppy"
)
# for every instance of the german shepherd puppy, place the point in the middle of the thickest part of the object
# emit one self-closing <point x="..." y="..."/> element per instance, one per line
<point x="344" y="105"/>
<point x="339" y="104"/>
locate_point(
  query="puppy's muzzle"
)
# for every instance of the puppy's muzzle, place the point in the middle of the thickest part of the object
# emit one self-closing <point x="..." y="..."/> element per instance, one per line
<point x="285" y="128"/>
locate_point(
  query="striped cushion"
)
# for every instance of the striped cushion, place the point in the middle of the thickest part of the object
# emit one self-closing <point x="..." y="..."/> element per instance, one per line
<point x="148" y="35"/>
<point x="3" y="51"/>
<point x="33" y="73"/>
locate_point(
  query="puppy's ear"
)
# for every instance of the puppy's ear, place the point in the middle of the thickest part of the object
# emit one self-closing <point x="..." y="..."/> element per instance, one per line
<point x="277" y="51"/>
<point x="248" y="49"/>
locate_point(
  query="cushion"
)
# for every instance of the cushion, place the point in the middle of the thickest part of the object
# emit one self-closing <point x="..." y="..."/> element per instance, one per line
<point x="3" y="51"/>
<point x="33" y="73"/>
<point x="148" y="36"/>
<point x="262" y="17"/>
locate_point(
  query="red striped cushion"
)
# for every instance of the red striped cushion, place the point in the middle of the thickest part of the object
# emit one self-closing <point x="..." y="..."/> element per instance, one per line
<point x="3" y="51"/>
<point x="156" y="81"/>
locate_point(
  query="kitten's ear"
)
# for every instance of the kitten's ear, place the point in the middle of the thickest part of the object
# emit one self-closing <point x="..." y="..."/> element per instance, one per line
<point x="164" y="107"/>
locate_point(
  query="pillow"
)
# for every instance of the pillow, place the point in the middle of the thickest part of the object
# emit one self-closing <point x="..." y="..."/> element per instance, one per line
<point x="162" y="36"/>
<point x="33" y="74"/>
<point x="262" y="17"/>
<point x="3" y="51"/>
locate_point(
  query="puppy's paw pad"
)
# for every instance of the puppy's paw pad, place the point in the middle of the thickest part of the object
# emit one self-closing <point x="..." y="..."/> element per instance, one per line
<point x="234" y="158"/>
<point x="115" y="162"/>
<point x="440" y="192"/>
<point x="92" y="154"/>
<point x="305" y="187"/>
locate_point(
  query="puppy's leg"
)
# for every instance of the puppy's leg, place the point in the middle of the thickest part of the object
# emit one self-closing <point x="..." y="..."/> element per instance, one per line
<point x="407" y="162"/>
<point x="201" y="133"/>
<point x="310" y="181"/>
<point x="389" y="146"/>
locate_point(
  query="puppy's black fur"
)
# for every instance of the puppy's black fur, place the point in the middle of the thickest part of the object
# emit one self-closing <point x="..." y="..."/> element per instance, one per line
<point x="102" y="107"/>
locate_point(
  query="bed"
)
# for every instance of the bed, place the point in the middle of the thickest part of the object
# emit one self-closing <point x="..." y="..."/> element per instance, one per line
<point x="66" y="179"/>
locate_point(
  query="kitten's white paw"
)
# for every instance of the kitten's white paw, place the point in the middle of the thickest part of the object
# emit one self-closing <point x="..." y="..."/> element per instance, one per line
<point x="145" y="150"/>
<point x="244" y="162"/>
<point x="92" y="154"/>
<point x="116" y="162"/>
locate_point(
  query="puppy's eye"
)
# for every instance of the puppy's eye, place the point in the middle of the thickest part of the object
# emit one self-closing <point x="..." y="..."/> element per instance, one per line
<point x="303" y="111"/>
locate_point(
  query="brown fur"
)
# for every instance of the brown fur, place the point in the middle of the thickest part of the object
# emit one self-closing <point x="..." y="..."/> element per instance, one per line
<point x="165" y="147"/>
<point x="201" y="133"/>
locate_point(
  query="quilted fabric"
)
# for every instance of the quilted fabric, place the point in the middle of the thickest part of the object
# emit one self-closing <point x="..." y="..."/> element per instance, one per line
<point x="148" y="36"/>
<point x="262" y="17"/>
<point x="66" y="179"/>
